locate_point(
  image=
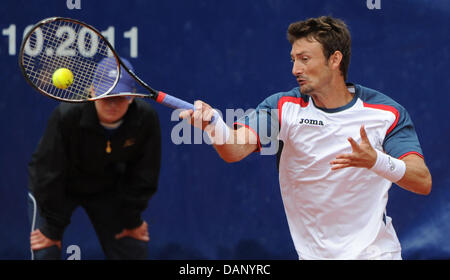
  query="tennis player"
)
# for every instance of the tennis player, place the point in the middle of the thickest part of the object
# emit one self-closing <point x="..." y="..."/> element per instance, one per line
<point x="343" y="145"/>
<point x="105" y="157"/>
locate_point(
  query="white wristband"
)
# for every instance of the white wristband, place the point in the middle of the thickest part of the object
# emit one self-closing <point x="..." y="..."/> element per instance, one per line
<point x="388" y="167"/>
<point x="219" y="128"/>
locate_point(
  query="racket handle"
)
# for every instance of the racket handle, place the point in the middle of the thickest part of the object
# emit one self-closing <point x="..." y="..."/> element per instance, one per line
<point x="173" y="102"/>
<point x="176" y="103"/>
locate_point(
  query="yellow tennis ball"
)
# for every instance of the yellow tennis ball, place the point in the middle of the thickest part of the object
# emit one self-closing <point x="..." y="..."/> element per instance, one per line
<point x="62" y="78"/>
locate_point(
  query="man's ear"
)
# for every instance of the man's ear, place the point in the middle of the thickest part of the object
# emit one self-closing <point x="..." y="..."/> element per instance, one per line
<point x="335" y="60"/>
<point x="92" y="91"/>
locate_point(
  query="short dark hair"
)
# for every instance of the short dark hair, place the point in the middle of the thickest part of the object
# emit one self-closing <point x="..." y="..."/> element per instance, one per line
<point x="330" y="32"/>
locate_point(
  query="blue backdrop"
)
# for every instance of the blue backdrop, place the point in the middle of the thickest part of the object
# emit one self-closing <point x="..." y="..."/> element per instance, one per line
<point x="233" y="54"/>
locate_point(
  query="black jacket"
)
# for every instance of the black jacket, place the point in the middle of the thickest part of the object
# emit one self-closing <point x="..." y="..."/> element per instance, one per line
<point x="72" y="160"/>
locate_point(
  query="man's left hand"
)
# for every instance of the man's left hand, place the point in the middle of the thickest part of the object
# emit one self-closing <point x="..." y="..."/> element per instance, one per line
<point x="139" y="233"/>
<point x="363" y="155"/>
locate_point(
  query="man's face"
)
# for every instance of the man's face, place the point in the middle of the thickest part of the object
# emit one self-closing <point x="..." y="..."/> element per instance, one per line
<point x="310" y="67"/>
<point x="111" y="110"/>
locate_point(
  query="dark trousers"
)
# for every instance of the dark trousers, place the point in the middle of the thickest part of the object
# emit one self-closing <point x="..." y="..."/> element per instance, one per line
<point x="102" y="212"/>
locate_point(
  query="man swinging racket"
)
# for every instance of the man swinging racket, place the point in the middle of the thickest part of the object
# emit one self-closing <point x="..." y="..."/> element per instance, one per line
<point x="343" y="146"/>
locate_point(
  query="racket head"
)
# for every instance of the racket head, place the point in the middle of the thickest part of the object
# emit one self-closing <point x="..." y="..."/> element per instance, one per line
<point x="58" y="42"/>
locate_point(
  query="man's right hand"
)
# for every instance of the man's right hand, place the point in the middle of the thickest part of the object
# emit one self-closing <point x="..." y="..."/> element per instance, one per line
<point x="39" y="241"/>
<point x="239" y="143"/>
<point x="201" y="115"/>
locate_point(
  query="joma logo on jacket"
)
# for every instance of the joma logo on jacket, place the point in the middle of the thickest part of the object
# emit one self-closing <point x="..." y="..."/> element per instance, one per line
<point x="311" y="122"/>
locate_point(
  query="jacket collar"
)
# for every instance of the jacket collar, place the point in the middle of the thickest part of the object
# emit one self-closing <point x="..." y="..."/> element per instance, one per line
<point x="89" y="117"/>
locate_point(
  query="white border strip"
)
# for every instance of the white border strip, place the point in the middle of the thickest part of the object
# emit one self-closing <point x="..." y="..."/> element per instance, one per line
<point x="33" y="223"/>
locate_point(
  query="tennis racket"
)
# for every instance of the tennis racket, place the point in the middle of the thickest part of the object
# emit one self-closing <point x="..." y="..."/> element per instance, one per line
<point x="59" y="42"/>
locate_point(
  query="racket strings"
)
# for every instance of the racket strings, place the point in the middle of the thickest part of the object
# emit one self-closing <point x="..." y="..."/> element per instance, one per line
<point x="43" y="75"/>
<point x="52" y="64"/>
<point x="66" y="44"/>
